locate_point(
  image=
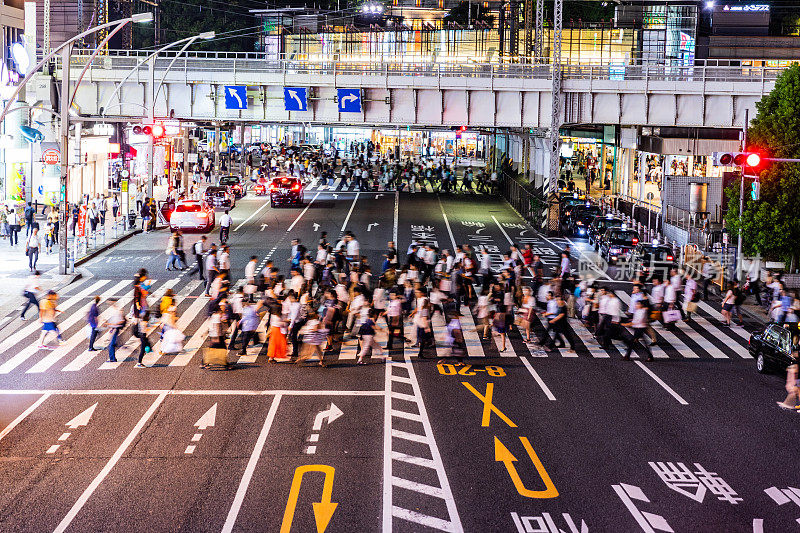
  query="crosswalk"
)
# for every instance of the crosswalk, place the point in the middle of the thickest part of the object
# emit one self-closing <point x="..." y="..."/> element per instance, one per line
<point x="705" y="337"/>
<point x="340" y="185"/>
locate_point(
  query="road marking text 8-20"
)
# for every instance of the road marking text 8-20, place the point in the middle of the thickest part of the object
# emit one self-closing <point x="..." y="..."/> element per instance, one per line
<point x="448" y="369"/>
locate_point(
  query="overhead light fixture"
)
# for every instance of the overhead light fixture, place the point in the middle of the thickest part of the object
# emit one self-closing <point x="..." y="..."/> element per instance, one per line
<point x="142" y="17"/>
<point x="21" y="59"/>
<point x="208" y="35"/>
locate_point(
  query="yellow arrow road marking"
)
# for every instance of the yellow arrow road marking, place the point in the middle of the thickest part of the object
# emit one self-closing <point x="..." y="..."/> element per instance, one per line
<point x="504" y="455"/>
<point x="323" y="511"/>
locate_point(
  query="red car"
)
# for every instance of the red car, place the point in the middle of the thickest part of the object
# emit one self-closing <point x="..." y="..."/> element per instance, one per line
<point x="260" y="188"/>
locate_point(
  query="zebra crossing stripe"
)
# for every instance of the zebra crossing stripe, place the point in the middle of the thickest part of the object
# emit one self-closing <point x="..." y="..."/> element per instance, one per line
<point x="86" y="356"/>
<point x="542" y="321"/>
<point x="24" y="354"/>
<point x="471" y="337"/>
<point x="740" y="332"/>
<point x="56" y="355"/>
<point x="595" y="350"/>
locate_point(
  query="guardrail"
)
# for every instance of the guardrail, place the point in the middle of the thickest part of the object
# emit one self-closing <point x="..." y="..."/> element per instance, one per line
<point x="525" y="202"/>
<point x="210" y="62"/>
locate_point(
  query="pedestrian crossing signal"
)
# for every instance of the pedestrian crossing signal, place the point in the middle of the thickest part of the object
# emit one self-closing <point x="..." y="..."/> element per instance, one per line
<point x="755" y="192"/>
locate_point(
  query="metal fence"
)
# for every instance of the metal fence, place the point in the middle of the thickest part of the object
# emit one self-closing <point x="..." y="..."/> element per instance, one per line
<point x="529" y="205"/>
<point x="643" y="212"/>
<point x="701" y="71"/>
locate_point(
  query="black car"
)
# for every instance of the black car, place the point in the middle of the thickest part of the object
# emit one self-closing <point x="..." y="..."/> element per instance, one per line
<point x="618" y="243"/>
<point x="219" y="197"/>
<point x="653" y="260"/>
<point x="772" y="348"/>
<point x="285" y="190"/>
<point x="599" y="226"/>
<point x="582" y="217"/>
<point x="234" y="184"/>
<point x="568" y="207"/>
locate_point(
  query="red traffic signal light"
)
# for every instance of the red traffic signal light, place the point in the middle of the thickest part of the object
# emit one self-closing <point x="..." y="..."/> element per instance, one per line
<point x="157" y="131"/>
<point x="753" y="160"/>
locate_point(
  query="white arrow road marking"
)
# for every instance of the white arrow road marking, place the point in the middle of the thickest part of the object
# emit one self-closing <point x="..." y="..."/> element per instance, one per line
<point x="208" y="419"/>
<point x="316" y="227"/>
<point x="293" y="94"/>
<point x="82" y="419"/>
<point x="235" y="94"/>
<point x="263" y="226"/>
<point x="335" y="196"/>
<point x="332" y="413"/>
<point x="369" y="226"/>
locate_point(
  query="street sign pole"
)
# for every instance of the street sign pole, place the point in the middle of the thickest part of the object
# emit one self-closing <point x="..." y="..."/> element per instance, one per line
<point x="741" y="199"/>
<point x="63" y="263"/>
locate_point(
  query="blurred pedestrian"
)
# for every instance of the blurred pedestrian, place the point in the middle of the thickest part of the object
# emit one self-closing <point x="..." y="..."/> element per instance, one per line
<point x="792" y="385"/>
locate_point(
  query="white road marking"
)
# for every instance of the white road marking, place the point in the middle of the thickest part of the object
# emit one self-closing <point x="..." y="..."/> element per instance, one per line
<point x="302" y="213"/>
<point x="347" y="219"/>
<point x="661" y="382"/>
<point x="595" y="350"/>
<point x="447" y="223"/>
<point x="251" y="467"/>
<point x="503" y="230"/>
<point x="78" y="505"/>
<point x="257" y="211"/>
<point x="194" y="392"/>
<point x="538" y="379"/>
<point x="14" y="423"/>
<point x="470" y="332"/>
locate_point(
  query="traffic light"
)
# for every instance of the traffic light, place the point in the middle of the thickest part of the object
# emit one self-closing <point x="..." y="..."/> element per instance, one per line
<point x="737" y="159"/>
<point x="755" y="192"/>
<point x="156" y="130"/>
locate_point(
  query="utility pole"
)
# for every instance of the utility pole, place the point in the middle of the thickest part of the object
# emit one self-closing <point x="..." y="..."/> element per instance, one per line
<point x="555" y="119"/>
<point x="527" y="16"/>
<point x="63" y="263"/>
<point x="157" y="24"/>
<point x="741" y="196"/>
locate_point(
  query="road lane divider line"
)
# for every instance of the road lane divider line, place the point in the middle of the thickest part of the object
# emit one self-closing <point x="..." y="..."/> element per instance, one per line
<point x="502" y="229"/>
<point x="241" y="491"/>
<point x="257" y="211"/>
<point x="396" y="215"/>
<point x="84" y="497"/>
<point x="24" y="414"/>
<point x="302" y="213"/>
<point x="192" y="392"/>
<point x="447" y="223"/>
<point x="347" y="218"/>
<point x="538" y="379"/>
<point x="661" y="382"/>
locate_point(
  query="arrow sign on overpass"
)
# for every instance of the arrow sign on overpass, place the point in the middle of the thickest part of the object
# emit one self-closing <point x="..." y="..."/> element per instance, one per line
<point x="82" y="419"/>
<point x="295" y="98"/>
<point x="349" y="100"/>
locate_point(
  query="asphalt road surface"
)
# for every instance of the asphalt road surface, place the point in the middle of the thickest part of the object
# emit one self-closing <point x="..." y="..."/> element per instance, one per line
<point x="524" y="440"/>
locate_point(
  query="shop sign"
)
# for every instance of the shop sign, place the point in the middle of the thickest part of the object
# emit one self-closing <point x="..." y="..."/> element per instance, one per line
<point x="51" y="156"/>
<point x="82" y="221"/>
<point x="123" y="186"/>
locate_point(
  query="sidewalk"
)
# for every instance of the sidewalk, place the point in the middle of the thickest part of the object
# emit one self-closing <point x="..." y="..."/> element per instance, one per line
<point x="14" y="271"/>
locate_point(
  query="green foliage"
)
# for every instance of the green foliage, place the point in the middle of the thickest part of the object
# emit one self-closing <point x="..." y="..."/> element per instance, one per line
<point x="460" y="14"/>
<point x="184" y="18"/>
<point x="771" y="226"/>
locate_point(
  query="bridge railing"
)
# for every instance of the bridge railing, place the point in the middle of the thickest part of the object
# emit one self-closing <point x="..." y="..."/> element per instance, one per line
<point x="243" y="62"/>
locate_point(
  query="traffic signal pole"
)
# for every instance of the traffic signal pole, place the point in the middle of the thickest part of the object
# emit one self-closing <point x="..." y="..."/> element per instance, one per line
<point x="63" y="214"/>
<point x="741" y="198"/>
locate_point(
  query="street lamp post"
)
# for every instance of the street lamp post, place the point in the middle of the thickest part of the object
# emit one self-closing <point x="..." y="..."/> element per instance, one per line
<point x="66" y="49"/>
<point x="153" y="90"/>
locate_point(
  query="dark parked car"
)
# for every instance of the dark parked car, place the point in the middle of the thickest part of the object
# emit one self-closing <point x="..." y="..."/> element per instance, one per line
<point x="772" y="348"/>
<point x="219" y="197"/>
<point x="234" y="184"/>
<point x="654" y="260"/>
<point x="581" y="218"/>
<point x="285" y="190"/>
<point x="618" y="244"/>
<point x="599" y="226"/>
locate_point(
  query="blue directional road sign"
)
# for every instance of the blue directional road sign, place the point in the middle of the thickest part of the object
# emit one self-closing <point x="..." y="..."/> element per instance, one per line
<point x="295" y="98"/>
<point x="235" y="97"/>
<point x="349" y="100"/>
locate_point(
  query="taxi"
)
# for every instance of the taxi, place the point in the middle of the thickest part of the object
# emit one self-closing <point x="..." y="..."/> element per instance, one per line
<point x="618" y="244"/>
<point x="192" y="216"/>
<point x="599" y="226"/>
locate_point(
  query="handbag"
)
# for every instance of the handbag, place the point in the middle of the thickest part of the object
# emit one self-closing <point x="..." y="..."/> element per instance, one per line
<point x="671" y="315"/>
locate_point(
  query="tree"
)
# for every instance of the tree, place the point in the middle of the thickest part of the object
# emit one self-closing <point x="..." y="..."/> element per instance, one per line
<point x="236" y="28"/>
<point x="460" y="14"/>
<point x="771" y="225"/>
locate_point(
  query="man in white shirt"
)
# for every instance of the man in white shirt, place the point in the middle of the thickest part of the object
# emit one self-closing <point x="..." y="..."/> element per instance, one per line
<point x="224" y="260"/>
<point x="353" y="249"/>
<point x="640" y="323"/>
<point x="224" y="227"/>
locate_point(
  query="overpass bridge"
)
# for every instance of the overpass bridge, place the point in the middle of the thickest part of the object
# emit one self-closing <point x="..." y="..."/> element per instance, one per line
<point x="418" y="93"/>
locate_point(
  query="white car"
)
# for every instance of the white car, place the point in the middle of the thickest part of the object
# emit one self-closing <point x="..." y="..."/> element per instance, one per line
<point x="192" y="216"/>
